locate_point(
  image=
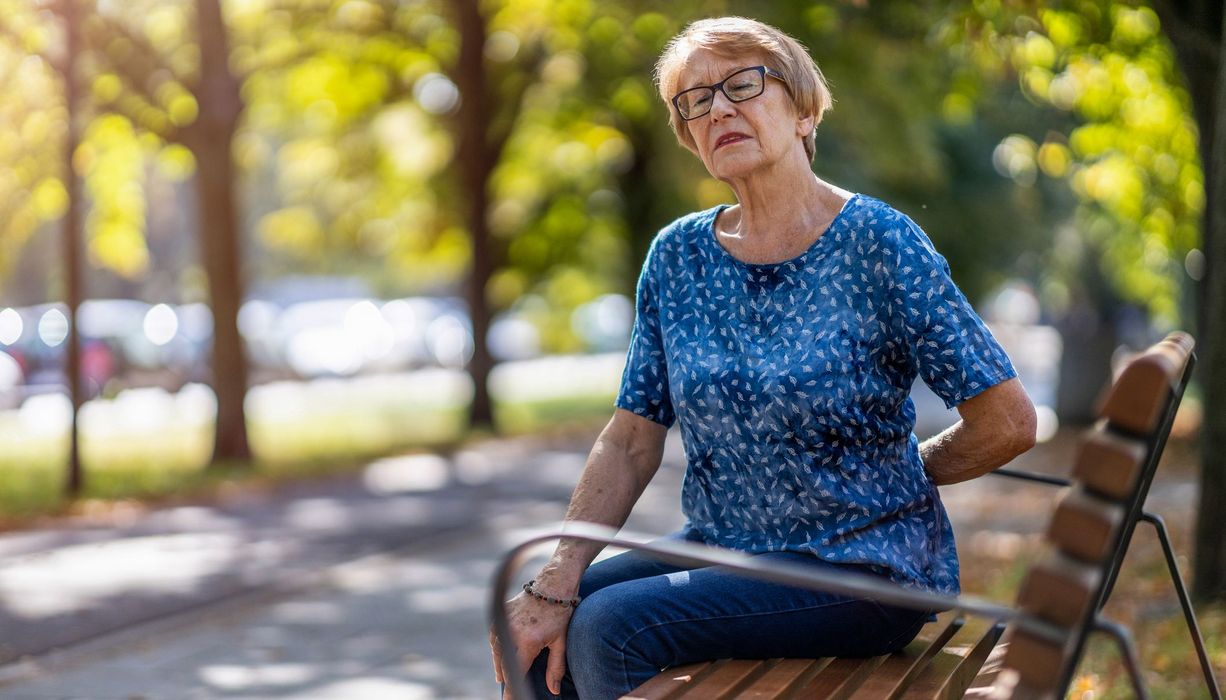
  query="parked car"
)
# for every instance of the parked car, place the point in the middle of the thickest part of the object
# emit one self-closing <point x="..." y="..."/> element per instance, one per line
<point x="40" y="346"/>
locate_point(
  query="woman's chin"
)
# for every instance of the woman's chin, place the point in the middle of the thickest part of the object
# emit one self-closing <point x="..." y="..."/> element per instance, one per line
<point x="733" y="168"/>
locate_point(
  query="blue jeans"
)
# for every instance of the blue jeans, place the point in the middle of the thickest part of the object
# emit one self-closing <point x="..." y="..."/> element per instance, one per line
<point x="640" y="615"/>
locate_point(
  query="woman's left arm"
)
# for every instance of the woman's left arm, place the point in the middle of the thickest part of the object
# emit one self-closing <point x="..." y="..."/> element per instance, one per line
<point x="997" y="425"/>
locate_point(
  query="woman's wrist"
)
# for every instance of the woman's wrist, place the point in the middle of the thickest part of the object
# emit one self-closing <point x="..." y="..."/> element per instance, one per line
<point x="565" y="601"/>
<point x="559" y="579"/>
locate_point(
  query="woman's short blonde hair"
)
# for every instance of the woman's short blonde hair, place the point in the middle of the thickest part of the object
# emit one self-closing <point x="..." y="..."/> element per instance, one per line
<point x="730" y="37"/>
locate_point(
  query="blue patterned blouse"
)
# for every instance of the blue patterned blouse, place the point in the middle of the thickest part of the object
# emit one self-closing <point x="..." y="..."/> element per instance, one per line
<point x="792" y="380"/>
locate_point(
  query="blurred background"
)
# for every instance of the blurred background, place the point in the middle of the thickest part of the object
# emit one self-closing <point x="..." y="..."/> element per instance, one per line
<point x="303" y="235"/>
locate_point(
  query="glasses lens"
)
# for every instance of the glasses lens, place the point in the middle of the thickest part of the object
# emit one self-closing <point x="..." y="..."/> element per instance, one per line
<point x="693" y="103"/>
<point x="743" y="85"/>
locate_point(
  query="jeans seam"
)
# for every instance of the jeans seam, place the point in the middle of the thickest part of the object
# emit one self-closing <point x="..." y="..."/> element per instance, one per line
<point x="622" y="648"/>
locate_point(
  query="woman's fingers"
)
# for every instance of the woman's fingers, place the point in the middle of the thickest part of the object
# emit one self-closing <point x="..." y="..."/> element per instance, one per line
<point x="525" y="656"/>
<point x="555" y="667"/>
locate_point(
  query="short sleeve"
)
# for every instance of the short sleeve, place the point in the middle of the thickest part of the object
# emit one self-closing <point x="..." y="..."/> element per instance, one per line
<point x="953" y="350"/>
<point x="644" y="386"/>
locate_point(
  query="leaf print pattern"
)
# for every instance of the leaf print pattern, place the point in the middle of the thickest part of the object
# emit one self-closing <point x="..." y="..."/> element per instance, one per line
<point x="791" y="384"/>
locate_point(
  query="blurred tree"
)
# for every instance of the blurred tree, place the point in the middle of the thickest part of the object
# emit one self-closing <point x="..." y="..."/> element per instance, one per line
<point x="1196" y="30"/>
<point x="155" y="84"/>
<point x="32" y="128"/>
<point x="481" y="137"/>
<point x="1147" y="182"/>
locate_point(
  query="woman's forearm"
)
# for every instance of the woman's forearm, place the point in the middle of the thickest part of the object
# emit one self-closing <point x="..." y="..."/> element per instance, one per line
<point x="616" y="474"/>
<point x="996" y="426"/>
<point x="958" y="454"/>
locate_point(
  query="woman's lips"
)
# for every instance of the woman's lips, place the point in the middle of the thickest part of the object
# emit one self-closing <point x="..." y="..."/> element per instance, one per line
<point x="729" y="138"/>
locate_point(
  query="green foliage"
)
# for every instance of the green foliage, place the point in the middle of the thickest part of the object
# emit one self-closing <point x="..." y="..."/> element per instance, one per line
<point x="111" y="160"/>
<point x="32" y="125"/>
<point x="1130" y="156"/>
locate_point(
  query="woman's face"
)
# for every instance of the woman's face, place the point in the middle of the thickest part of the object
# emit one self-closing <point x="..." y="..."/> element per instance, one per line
<point x="735" y="139"/>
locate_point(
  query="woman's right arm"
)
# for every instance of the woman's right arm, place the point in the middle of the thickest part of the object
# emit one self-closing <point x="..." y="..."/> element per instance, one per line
<point x="622" y="462"/>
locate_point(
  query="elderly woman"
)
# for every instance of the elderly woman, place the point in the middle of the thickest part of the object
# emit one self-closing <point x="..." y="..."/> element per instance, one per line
<point x="784" y="333"/>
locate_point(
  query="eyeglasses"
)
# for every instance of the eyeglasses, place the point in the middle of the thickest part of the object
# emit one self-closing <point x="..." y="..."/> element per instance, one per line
<point x="742" y="85"/>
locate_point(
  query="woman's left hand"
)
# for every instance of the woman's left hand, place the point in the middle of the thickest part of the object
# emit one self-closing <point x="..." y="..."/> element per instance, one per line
<point x="535" y="626"/>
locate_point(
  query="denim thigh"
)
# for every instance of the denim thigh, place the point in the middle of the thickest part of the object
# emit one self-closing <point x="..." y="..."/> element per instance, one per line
<point x="626" y="633"/>
<point x="640" y="616"/>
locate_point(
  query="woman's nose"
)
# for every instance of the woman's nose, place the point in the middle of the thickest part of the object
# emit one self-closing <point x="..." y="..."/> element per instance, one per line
<point x="721" y="106"/>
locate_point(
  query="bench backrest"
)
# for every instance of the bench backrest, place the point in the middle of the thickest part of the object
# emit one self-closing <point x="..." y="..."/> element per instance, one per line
<point x="1093" y="521"/>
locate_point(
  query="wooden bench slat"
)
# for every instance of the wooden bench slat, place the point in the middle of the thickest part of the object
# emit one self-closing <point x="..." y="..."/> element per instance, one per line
<point x="727" y="680"/>
<point x="1059" y="589"/>
<point x="1109" y="464"/>
<point x="670" y="684"/>
<point x="1083" y="526"/>
<point x="899" y="669"/>
<point x="784" y="679"/>
<point x="839" y="678"/>
<point x="1037" y="659"/>
<point x="952" y="669"/>
<point x="1136" y="399"/>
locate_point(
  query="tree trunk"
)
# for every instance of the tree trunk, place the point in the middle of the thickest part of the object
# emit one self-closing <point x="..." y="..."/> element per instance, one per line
<point x="1196" y="29"/>
<point x="210" y="139"/>
<point x="476" y="163"/>
<point x="74" y="291"/>
<point x="1209" y="581"/>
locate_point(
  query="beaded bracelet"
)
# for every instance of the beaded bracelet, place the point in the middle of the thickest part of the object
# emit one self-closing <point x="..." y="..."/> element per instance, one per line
<point x="530" y="589"/>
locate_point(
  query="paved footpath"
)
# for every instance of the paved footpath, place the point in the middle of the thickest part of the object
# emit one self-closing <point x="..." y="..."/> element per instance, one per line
<point x="355" y="587"/>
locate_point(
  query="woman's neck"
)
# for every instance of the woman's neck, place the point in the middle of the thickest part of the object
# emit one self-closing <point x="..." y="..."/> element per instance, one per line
<point x="778" y="212"/>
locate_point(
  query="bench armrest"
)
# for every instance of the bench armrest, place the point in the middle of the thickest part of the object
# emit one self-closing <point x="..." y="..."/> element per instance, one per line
<point x="698" y="555"/>
<point x="1031" y="476"/>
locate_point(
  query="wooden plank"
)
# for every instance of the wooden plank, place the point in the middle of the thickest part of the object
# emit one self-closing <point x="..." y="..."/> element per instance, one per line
<point x="1008" y="685"/>
<point x="670" y="683"/>
<point x="783" y="679"/>
<point x="953" y="668"/>
<point x="1083" y="526"/>
<point x="1135" y="401"/>
<point x="839" y="678"/>
<point x="900" y="669"/>
<point x="1109" y="464"/>
<point x="982" y="687"/>
<point x="1059" y="589"/>
<point x="727" y="680"/>
<point x="1037" y="659"/>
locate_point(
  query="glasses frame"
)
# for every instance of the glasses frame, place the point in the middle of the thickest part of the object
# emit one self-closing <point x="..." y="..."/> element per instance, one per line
<point x="763" y="72"/>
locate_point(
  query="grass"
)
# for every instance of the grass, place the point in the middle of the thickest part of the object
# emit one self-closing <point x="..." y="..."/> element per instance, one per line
<point x="318" y="432"/>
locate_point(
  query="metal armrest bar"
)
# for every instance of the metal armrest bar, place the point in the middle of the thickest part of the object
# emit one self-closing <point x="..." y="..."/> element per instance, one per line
<point x="1030" y="476"/>
<point x="690" y="554"/>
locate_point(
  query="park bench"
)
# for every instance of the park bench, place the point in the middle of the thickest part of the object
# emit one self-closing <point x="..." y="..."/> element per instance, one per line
<point x="975" y="648"/>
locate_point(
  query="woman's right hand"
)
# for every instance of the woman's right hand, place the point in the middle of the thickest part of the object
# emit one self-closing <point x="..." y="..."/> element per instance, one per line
<point x="535" y="625"/>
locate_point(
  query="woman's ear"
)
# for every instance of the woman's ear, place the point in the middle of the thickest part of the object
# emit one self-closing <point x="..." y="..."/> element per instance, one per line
<point x="805" y="126"/>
